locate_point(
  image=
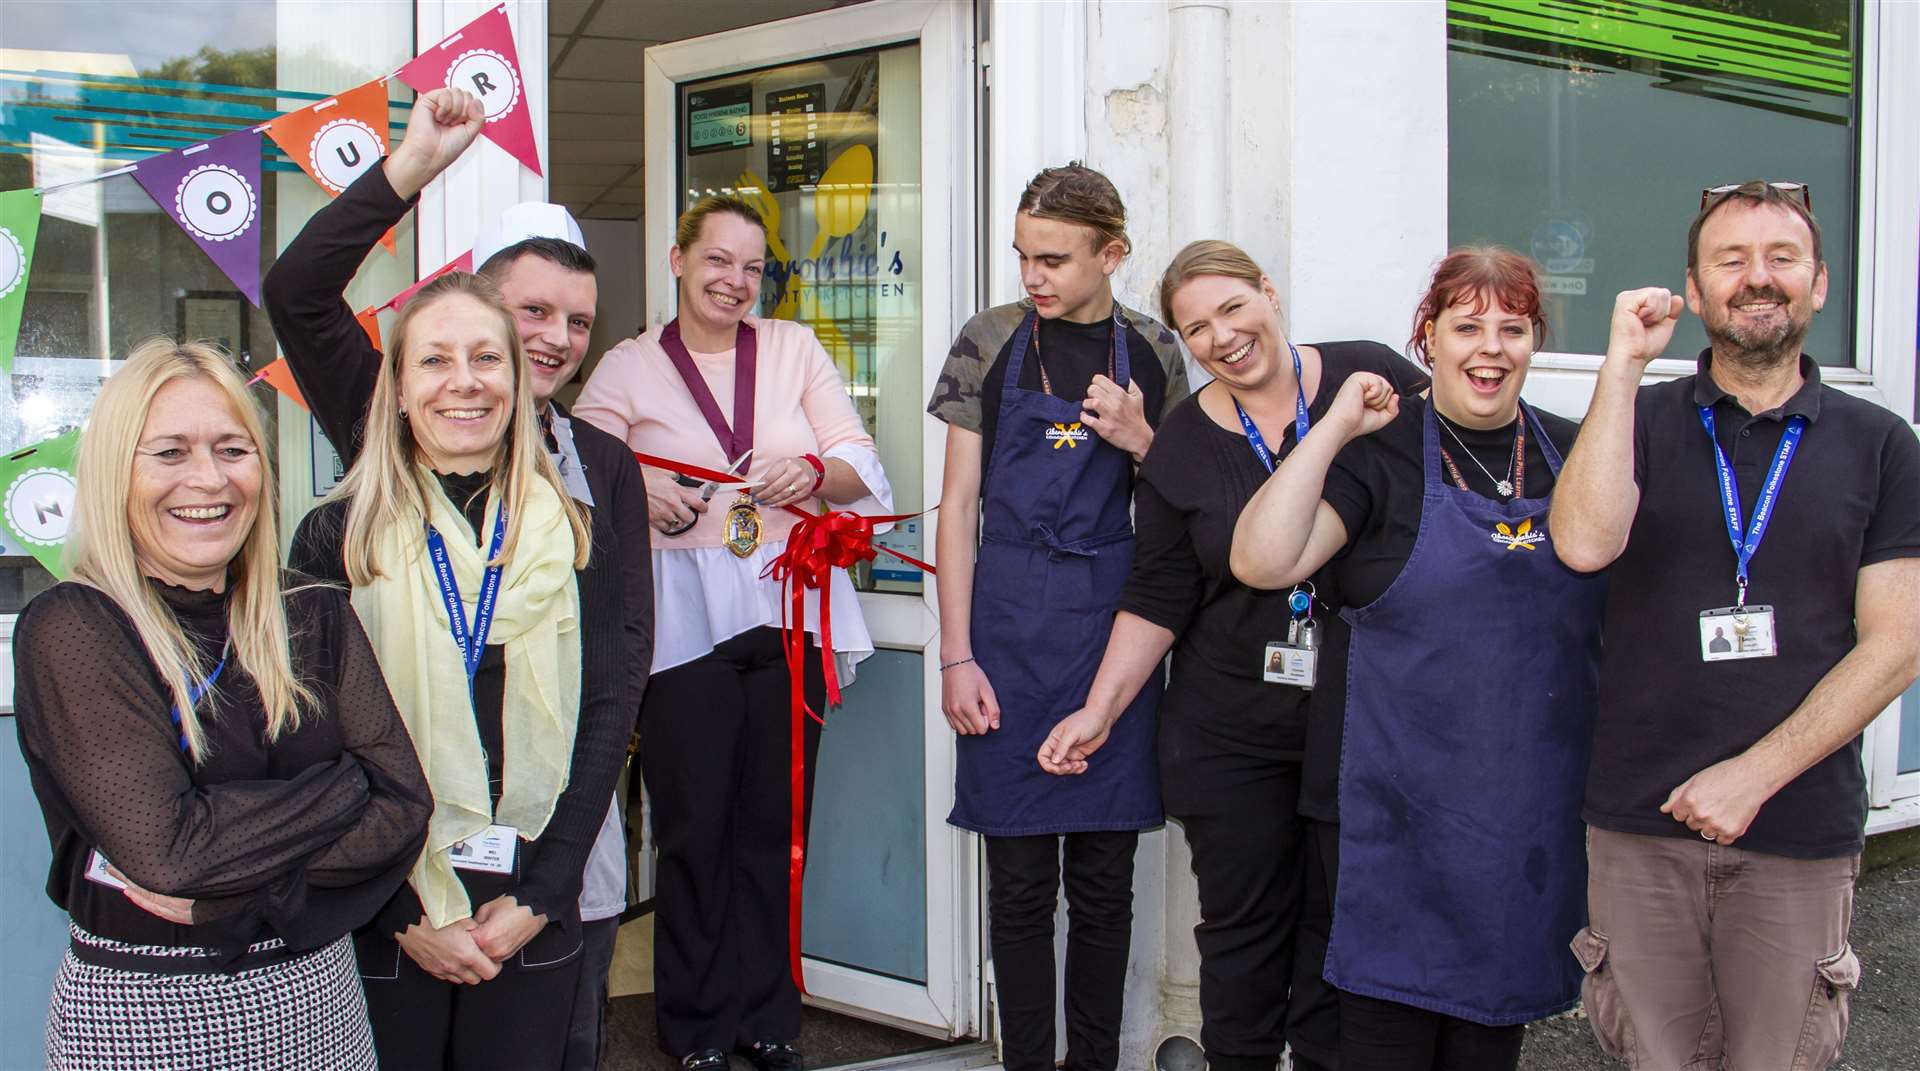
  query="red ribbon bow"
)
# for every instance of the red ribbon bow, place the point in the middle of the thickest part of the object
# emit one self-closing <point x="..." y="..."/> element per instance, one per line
<point x="817" y="545"/>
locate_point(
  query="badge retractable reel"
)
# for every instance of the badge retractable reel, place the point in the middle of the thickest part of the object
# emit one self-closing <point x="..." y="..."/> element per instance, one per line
<point x="1296" y="660"/>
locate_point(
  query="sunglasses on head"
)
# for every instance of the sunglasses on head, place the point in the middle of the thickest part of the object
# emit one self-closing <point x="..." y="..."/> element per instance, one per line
<point x="1798" y="189"/>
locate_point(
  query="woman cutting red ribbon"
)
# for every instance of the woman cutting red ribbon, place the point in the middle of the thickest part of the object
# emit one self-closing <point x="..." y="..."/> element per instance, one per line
<point x="736" y="394"/>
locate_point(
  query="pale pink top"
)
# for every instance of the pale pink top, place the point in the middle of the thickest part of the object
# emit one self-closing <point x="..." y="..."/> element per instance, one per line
<point x="703" y="594"/>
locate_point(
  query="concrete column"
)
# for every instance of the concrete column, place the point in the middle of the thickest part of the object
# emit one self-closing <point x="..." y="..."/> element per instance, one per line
<point x="1201" y="104"/>
<point x="1198" y="207"/>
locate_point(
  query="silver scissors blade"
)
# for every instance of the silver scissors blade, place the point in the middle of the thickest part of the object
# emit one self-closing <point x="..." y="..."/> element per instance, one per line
<point x="707" y="489"/>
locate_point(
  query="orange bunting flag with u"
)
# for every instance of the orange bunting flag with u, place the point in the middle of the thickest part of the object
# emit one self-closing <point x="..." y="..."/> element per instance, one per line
<point x="336" y="140"/>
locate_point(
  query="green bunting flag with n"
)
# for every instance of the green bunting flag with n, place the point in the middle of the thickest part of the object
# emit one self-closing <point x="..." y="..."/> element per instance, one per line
<point x="36" y="497"/>
<point x="19" y="223"/>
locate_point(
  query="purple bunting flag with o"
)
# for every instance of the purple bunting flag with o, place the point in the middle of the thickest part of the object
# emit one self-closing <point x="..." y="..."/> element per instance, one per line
<point x="212" y="191"/>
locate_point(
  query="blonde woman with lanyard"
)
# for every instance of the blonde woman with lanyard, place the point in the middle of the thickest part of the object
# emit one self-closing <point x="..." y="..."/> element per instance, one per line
<point x="498" y="627"/>
<point x="715" y="726"/>
<point x="1233" y="722"/>
<point x="227" y="787"/>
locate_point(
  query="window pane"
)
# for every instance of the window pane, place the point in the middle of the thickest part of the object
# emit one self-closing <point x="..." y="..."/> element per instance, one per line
<point x="90" y="85"/>
<point x="829" y="151"/>
<point x="1583" y="132"/>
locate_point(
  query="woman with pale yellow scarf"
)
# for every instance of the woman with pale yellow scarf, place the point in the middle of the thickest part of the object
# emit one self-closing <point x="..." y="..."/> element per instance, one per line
<point x="498" y="630"/>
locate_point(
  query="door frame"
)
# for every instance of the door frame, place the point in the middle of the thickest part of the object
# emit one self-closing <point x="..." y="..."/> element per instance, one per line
<point x="948" y="1004"/>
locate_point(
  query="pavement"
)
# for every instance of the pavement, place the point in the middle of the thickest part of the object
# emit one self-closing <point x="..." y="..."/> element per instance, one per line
<point x="1885" y="1030"/>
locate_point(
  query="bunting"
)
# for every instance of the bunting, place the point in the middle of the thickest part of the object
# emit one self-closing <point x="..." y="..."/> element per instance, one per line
<point x="480" y="58"/>
<point x="19" y="225"/>
<point x="336" y="140"/>
<point x="212" y="191"/>
<point x="279" y="376"/>
<point x="36" y="497"/>
<point x="463" y="262"/>
<point x="370" y="323"/>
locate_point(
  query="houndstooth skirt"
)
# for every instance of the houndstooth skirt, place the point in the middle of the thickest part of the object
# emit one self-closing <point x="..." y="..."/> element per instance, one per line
<point x="306" y="1012"/>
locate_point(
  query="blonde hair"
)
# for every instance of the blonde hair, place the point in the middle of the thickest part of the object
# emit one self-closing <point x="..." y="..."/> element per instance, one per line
<point x="1079" y="194"/>
<point x="100" y="552"/>
<point x="1208" y="256"/>
<point x="385" y="488"/>
<point x="687" y="230"/>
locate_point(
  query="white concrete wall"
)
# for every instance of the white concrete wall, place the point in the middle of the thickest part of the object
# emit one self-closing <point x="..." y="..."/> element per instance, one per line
<point x="1333" y="118"/>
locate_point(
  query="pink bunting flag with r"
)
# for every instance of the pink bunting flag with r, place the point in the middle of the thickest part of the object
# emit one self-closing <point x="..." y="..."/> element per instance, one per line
<point x="463" y="262"/>
<point x="480" y="58"/>
<point x="212" y="191"/>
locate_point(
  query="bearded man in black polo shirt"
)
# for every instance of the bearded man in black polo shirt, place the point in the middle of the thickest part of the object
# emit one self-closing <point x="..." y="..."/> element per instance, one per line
<point x="1726" y="801"/>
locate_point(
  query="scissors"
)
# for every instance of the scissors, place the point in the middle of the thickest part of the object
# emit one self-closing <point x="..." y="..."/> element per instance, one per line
<point x="707" y="488"/>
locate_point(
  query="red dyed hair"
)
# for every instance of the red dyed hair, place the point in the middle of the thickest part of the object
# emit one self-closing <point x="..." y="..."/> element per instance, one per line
<point x="1477" y="275"/>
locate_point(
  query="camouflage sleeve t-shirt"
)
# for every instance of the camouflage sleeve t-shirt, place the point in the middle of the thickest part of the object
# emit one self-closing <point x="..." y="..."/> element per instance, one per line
<point x="967" y="394"/>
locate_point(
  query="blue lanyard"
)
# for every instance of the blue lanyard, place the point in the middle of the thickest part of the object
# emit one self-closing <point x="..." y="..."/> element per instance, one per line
<point x="1300" y="422"/>
<point x="471" y="641"/>
<point x="193" y="699"/>
<point x="1743" y="550"/>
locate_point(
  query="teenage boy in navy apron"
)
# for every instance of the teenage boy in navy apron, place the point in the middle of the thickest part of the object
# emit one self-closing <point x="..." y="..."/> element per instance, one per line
<point x="1047" y="403"/>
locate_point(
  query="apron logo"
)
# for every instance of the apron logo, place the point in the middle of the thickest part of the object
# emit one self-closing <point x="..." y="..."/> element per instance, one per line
<point x="1068" y="435"/>
<point x="1521" y="538"/>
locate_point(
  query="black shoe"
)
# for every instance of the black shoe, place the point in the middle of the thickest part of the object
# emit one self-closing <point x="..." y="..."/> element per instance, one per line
<point x="704" y="1060"/>
<point x="773" y="1056"/>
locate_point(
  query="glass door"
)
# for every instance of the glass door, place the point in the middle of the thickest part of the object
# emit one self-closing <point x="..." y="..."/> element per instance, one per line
<point x="850" y="131"/>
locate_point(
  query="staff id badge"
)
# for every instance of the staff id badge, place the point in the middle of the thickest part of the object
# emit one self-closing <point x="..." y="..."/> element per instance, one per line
<point x="490" y="850"/>
<point x="1296" y="660"/>
<point x="98" y="873"/>
<point x="1736" y="632"/>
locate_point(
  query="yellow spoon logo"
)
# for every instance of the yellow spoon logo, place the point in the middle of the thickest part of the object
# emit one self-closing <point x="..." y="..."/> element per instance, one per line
<point x="1522" y="537"/>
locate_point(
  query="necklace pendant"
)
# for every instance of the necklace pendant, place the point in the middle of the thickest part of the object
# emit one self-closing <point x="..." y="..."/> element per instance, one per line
<point x="743" y="527"/>
<point x="1505" y="487"/>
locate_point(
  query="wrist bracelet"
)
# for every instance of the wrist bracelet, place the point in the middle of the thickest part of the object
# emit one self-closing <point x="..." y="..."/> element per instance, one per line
<point x="949" y="665"/>
<point x="819" y="470"/>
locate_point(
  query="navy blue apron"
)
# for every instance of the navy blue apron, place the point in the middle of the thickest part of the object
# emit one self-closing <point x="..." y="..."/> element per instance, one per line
<point x="1056" y="544"/>
<point x="1471" y="689"/>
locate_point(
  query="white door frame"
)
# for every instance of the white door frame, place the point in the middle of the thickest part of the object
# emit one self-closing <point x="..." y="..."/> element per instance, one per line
<point x="943" y="28"/>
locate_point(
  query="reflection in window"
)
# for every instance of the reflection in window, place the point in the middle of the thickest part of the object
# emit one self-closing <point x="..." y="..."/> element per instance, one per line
<point x="1582" y="132"/>
<point x="828" y="151"/>
<point x="87" y="86"/>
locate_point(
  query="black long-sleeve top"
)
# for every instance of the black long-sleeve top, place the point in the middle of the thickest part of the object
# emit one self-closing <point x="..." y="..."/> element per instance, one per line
<point x="301" y="839"/>
<point x="335" y="365"/>
<point x="548" y="871"/>
<point x="1192" y="487"/>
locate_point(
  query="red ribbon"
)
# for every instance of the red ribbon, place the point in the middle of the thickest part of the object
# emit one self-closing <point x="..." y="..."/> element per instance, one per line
<point x="817" y="545"/>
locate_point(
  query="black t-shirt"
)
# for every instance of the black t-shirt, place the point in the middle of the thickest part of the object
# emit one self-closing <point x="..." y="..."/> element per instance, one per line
<point x="1072" y="355"/>
<point x="1850" y="499"/>
<point x="1193" y="484"/>
<point x="1377" y="486"/>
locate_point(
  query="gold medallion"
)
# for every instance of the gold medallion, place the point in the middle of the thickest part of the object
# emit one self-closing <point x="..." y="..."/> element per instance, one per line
<point x="743" y="526"/>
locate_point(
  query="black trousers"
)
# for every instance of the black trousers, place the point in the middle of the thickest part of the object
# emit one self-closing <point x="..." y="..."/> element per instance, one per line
<point x="716" y="752"/>
<point x="515" y="1021"/>
<point x="1250" y="847"/>
<point x="1386" y="1035"/>
<point x="588" y="1031"/>
<point x="1023" y="889"/>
